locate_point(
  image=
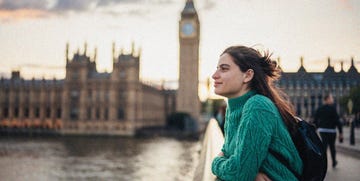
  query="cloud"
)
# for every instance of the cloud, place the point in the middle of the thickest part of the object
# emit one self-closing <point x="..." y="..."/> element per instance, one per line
<point x="349" y="5"/>
<point x="132" y="12"/>
<point x="71" y="5"/>
<point x="7" y="16"/>
<point x="209" y="5"/>
<point x="114" y="2"/>
<point x="15" y="10"/>
<point x="345" y="4"/>
<point x="22" y="4"/>
<point x="74" y="5"/>
<point x="18" y="9"/>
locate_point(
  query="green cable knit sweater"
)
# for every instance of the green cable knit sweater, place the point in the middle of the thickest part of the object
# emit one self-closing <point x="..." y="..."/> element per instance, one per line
<point x="253" y="125"/>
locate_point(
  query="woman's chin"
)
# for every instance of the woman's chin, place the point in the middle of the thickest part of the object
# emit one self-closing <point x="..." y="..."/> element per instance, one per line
<point x="218" y="92"/>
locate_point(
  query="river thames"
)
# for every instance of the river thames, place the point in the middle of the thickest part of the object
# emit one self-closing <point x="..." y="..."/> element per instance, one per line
<point x="97" y="158"/>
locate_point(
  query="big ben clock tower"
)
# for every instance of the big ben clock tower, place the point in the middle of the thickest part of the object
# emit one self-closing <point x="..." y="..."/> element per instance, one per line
<point x="189" y="36"/>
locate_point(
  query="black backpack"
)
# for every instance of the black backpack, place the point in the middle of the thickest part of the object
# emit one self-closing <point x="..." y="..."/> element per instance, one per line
<point x="311" y="151"/>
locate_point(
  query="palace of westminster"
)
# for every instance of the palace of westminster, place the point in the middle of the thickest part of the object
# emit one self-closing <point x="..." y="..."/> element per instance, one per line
<point x="119" y="103"/>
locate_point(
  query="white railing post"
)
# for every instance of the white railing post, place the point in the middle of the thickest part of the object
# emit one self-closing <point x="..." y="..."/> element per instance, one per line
<point x="211" y="146"/>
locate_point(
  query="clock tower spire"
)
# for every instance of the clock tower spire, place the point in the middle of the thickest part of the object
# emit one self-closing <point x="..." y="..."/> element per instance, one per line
<point x="189" y="36"/>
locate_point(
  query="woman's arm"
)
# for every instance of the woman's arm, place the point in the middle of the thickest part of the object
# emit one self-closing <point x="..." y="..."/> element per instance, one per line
<point x="254" y="136"/>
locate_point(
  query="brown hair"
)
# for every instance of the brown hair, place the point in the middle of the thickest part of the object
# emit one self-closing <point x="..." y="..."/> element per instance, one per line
<point x="266" y="72"/>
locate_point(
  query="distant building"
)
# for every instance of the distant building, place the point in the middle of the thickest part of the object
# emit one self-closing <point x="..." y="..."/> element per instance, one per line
<point x="306" y="89"/>
<point x="89" y="102"/>
<point x="86" y="101"/>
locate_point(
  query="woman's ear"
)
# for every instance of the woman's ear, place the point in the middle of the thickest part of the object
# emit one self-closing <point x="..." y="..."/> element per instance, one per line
<point x="249" y="74"/>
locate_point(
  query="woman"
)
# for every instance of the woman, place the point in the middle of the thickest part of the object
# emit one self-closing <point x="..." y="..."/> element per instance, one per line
<point x="258" y="118"/>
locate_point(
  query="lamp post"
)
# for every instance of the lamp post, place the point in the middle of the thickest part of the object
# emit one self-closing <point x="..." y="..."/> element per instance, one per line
<point x="209" y="105"/>
<point x="352" y="123"/>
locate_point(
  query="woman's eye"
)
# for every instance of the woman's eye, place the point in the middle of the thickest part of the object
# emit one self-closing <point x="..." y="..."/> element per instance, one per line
<point x="224" y="68"/>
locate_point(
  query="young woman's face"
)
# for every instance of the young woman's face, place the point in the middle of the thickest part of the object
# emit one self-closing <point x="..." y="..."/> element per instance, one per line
<point x="230" y="81"/>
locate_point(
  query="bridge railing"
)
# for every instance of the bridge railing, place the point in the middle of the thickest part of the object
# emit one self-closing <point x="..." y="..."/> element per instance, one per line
<point x="211" y="146"/>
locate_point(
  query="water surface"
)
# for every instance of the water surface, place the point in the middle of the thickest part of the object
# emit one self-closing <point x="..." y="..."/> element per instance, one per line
<point x="97" y="158"/>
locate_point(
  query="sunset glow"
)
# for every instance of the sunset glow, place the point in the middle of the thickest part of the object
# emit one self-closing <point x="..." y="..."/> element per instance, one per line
<point x="34" y="33"/>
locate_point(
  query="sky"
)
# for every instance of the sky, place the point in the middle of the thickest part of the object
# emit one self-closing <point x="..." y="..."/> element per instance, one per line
<point x="34" y="33"/>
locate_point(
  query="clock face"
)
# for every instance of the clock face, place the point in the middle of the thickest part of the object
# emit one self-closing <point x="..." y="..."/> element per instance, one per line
<point x="187" y="28"/>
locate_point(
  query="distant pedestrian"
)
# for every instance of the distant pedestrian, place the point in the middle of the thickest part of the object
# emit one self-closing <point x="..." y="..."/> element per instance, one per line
<point x="327" y="119"/>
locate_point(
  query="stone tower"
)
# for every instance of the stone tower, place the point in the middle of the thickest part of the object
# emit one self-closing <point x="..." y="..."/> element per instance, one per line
<point x="189" y="36"/>
<point x="126" y="87"/>
<point x="78" y="71"/>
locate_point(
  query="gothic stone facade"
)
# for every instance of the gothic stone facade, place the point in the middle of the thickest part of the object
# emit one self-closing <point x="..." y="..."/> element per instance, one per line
<point x="307" y="89"/>
<point x="86" y="101"/>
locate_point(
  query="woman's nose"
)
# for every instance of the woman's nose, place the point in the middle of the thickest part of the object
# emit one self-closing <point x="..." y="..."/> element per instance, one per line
<point x="215" y="75"/>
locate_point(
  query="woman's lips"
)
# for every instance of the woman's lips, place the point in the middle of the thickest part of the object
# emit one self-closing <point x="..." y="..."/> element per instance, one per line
<point x="216" y="84"/>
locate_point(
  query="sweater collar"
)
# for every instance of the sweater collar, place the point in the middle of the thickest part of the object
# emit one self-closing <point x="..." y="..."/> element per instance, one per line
<point x="238" y="102"/>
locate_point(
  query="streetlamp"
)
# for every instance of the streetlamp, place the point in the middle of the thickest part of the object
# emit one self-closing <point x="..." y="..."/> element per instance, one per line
<point x="209" y="104"/>
<point x="352" y="122"/>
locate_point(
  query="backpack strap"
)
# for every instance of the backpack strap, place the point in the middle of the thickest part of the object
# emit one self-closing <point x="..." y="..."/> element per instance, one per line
<point x="282" y="160"/>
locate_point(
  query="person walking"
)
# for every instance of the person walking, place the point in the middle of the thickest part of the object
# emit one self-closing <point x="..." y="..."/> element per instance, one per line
<point x="258" y="118"/>
<point x="326" y="120"/>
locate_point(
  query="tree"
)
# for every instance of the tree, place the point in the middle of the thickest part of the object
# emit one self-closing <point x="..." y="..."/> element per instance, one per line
<point x="355" y="98"/>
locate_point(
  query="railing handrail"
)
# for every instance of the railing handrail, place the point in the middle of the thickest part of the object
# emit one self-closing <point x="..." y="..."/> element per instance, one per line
<point x="211" y="146"/>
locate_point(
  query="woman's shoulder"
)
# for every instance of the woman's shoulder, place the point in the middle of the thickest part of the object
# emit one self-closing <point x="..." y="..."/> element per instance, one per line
<point x="261" y="111"/>
<point x="259" y="101"/>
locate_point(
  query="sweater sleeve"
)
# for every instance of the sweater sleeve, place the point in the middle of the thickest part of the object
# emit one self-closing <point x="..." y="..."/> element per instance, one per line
<point x="252" y="145"/>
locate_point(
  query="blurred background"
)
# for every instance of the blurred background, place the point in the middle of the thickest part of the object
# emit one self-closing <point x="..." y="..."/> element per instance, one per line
<point x="122" y="89"/>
